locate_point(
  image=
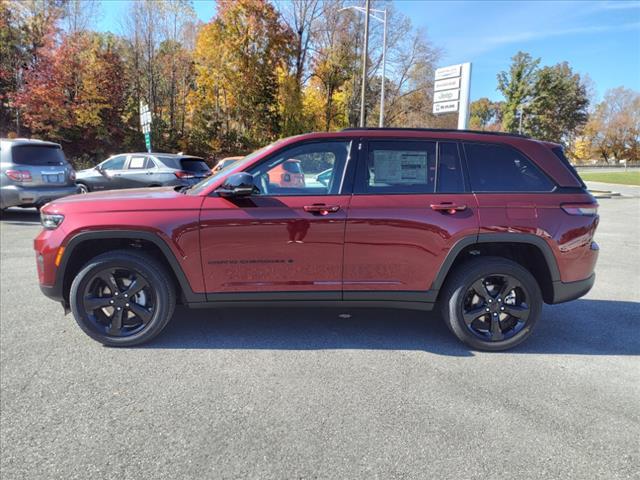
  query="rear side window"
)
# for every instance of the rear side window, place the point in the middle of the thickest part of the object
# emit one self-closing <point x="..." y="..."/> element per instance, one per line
<point x="498" y="168"/>
<point x="140" y="163"/>
<point x="398" y="167"/>
<point x="449" y="177"/>
<point x="194" y="165"/>
<point x="37" y="155"/>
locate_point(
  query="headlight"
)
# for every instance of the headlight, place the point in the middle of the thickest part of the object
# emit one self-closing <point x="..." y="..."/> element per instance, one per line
<point x="51" y="221"/>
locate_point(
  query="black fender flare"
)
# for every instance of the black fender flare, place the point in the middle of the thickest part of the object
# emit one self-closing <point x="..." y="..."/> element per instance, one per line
<point x="189" y="295"/>
<point x="505" y="237"/>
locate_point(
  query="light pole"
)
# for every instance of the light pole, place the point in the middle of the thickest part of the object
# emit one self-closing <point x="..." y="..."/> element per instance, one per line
<point x="382" y="19"/>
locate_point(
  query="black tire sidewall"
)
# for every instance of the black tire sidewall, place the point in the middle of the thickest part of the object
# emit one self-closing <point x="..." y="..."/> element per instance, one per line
<point x="155" y="275"/>
<point x="461" y="281"/>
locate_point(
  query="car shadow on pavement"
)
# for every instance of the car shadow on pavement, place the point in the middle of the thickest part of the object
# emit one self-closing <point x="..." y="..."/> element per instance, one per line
<point x="20" y="216"/>
<point x="583" y="327"/>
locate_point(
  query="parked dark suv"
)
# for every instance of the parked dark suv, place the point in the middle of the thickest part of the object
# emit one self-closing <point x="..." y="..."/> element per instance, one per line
<point x="485" y="226"/>
<point x="33" y="172"/>
<point x="135" y="170"/>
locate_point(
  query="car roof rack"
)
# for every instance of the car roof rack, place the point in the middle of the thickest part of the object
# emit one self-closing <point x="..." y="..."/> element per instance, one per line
<point x="441" y="130"/>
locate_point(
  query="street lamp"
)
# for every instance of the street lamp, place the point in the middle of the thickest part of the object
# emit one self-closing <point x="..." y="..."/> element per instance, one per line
<point x="382" y="19"/>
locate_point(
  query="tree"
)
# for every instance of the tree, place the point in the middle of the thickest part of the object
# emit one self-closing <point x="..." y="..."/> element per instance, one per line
<point x="76" y="93"/>
<point x="613" y="130"/>
<point x="483" y="113"/>
<point x="559" y="106"/>
<point x="238" y="56"/>
<point x="517" y="87"/>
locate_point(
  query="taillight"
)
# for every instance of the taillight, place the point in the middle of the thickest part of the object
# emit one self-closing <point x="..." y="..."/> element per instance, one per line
<point x="580" y="208"/>
<point x="72" y="176"/>
<point x="19" y="175"/>
<point x="184" y="175"/>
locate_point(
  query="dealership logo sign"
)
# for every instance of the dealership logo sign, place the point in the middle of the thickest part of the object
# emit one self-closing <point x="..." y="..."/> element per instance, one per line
<point x="451" y="92"/>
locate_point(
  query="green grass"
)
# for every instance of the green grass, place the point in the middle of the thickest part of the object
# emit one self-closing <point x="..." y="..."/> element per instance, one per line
<point x="623" y="178"/>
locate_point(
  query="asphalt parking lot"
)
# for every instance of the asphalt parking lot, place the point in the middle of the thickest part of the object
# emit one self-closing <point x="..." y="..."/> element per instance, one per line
<point x="290" y="393"/>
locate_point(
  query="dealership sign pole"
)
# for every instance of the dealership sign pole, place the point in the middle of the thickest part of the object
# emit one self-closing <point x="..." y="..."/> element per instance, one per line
<point x="451" y="92"/>
<point x="145" y="123"/>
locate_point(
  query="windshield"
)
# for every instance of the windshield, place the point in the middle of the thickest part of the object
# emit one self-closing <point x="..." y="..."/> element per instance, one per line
<point x="204" y="184"/>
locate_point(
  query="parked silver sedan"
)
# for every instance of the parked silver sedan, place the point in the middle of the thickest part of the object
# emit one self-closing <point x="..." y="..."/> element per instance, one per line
<point x="33" y="172"/>
<point x="136" y="170"/>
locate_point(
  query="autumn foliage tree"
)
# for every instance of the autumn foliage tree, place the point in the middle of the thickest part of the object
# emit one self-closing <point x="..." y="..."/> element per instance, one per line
<point x="238" y="56"/>
<point x="75" y="93"/>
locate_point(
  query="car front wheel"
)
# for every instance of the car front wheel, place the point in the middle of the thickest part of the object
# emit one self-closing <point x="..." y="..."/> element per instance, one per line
<point x="122" y="298"/>
<point x="491" y="303"/>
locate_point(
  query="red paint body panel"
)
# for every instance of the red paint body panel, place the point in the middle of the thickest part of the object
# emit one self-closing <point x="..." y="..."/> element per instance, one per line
<point x="370" y="243"/>
<point x="163" y="211"/>
<point x="568" y="236"/>
<point x="397" y="242"/>
<point x="263" y="244"/>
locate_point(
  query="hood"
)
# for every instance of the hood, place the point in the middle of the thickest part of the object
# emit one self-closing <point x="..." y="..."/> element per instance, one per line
<point x="137" y="199"/>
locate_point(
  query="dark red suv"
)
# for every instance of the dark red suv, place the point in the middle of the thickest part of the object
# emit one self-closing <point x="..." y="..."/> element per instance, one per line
<point x="486" y="226"/>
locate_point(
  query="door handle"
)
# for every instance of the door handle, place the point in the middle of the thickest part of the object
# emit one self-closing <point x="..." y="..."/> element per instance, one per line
<point x="448" y="207"/>
<point x="321" y="208"/>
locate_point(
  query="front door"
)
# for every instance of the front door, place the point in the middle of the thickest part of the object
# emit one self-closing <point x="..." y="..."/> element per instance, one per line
<point x="286" y="241"/>
<point x="410" y="206"/>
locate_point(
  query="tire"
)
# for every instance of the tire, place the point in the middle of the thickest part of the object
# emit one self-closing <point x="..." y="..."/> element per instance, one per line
<point x="144" y="313"/>
<point x="83" y="188"/>
<point x="498" y="318"/>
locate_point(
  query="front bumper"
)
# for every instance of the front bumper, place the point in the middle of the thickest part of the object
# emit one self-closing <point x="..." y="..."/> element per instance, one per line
<point x="567" y="291"/>
<point x="21" y="196"/>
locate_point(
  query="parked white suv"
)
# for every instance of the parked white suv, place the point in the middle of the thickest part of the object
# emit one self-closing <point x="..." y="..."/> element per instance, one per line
<point x="33" y="172"/>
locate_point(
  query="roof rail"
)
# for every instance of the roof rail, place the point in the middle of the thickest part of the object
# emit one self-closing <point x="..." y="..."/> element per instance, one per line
<point x="445" y="130"/>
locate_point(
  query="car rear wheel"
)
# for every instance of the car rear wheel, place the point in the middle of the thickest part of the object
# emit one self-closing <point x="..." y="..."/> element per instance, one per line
<point x="82" y="188"/>
<point x="122" y="298"/>
<point x="491" y="303"/>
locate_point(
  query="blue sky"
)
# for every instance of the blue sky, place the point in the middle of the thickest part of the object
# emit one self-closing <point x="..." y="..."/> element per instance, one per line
<point x="598" y="38"/>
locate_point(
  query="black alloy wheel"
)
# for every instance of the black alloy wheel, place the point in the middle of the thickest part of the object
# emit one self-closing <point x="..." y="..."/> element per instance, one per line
<point x="118" y="302"/>
<point x="495" y="308"/>
<point x="122" y="298"/>
<point x="491" y="303"/>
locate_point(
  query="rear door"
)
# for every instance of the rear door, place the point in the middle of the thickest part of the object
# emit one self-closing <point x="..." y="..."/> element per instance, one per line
<point x="138" y="172"/>
<point x="285" y="242"/>
<point x="411" y="204"/>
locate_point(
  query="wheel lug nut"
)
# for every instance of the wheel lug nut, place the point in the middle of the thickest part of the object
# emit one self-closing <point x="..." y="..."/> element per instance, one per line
<point x="487" y="309"/>
<point x="495" y="314"/>
<point x="111" y="302"/>
<point x="126" y="296"/>
<point x="126" y="305"/>
<point x="490" y="300"/>
<point x="117" y="294"/>
<point x="120" y="308"/>
<point x="501" y="308"/>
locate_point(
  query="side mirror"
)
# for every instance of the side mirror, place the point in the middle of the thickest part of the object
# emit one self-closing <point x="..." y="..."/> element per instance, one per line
<point x="237" y="185"/>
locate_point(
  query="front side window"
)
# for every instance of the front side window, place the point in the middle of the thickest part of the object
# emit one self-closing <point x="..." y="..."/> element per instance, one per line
<point x="498" y="168"/>
<point x="311" y="169"/>
<point x="115" y="163"/>
<point x="398" y="167"/>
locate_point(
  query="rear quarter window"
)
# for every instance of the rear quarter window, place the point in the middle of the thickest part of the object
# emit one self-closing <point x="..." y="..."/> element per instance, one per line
<point x="37" y="155"/>
<point x="500" y="168"/>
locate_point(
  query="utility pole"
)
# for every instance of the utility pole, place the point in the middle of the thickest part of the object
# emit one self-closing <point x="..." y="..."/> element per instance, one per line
<point x="384" y="69"/>
<point x="364" y="65"/>
<point x="382" y="19"/>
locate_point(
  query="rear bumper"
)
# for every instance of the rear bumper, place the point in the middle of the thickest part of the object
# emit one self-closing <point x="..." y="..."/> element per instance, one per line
<point x="20" y="196"/>
<point x="567" y="291"/>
